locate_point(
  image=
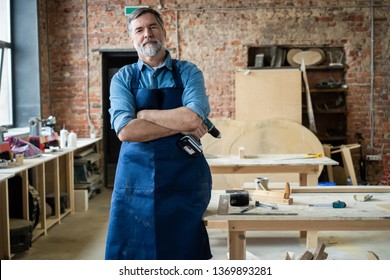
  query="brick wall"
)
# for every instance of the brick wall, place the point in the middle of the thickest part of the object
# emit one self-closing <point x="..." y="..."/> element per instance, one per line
<point x="215" y="35"/>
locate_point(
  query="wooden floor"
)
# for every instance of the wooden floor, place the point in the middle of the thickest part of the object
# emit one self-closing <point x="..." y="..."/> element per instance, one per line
<point x="81" y="236"/>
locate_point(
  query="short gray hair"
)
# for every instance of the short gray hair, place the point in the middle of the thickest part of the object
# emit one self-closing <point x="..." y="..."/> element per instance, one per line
<point x="141" y="11"/>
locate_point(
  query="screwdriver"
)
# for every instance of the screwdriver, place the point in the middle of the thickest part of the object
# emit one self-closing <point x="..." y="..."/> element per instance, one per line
<point x="336" y="204"/>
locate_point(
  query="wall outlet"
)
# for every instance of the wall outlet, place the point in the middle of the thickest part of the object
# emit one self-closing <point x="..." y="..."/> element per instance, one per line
<point x="373" y="157"/>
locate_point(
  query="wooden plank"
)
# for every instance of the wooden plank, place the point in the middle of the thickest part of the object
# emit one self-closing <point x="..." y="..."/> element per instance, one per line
<point x="329" y="168"/>
<point x="260" y="95"/>
<point x="319" y="253"/>
<point x="307" y="256"/>
<point x="280" y="200"/>
<point x="275" y="193"/>
<point x="340" y="189"/>
<point x="348" y="165"/>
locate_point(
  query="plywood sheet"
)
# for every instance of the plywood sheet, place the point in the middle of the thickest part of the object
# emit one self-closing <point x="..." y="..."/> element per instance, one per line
<point x="269" y="94"/>
<point x="276" y="136"/>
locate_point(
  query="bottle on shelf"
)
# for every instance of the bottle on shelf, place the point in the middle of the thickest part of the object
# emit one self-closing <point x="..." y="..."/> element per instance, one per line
<point x="63" y="137"/>
<point x="72" y="139"/>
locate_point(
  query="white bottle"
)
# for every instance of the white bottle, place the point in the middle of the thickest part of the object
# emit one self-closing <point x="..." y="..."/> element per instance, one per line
<point x="72" y="140"/>
<point x="63" y="136"/>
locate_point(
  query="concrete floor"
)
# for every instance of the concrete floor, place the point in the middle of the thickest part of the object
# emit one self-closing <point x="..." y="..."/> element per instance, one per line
<point x="81" y="236"/>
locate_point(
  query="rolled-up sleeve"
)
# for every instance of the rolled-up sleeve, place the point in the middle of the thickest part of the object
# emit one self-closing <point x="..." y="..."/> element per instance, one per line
<point x="122" y="104"/>
<point x="194" y="95"/>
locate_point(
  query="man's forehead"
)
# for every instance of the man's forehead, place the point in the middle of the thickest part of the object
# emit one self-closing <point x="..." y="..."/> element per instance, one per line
<point x="145" y="19"/>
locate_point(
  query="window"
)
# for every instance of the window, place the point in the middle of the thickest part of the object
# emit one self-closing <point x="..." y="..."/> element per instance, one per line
<point x="5" y="64"/>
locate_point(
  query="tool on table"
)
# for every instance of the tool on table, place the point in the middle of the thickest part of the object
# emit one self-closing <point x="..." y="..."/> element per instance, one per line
<point x="313" y="155"/>
<point x="224" y="203"/>
<point x="308" y="156"/>
<point x="250" y="207"/>
<point x="276" y="196"/>
<point x="238" y="197"/>
<point x="336" y="204"/>
<point x="271" y="206"/>
<point x="262" y="183"/>
<point x="362" y="197"/>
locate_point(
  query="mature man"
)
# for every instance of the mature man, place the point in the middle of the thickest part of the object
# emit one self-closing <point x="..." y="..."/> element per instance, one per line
<point x="160" y="191"/>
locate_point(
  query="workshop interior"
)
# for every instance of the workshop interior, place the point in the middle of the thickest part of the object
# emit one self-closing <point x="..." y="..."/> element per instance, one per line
<point x="298" y="141"/>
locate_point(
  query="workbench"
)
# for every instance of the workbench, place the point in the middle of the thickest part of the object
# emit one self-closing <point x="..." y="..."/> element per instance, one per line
<point x="52" y="172"/>
<point x="307" y="168"/>
<point x="357" y="216"/>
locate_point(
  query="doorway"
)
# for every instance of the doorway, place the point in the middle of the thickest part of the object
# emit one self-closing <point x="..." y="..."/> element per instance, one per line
<point x="112" y="61"/>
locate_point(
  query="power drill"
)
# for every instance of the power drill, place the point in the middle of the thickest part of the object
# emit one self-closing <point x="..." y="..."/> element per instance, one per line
<point x="191" y="145"/>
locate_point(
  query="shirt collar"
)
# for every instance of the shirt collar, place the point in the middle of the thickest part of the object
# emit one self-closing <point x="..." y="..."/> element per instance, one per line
<point x="167" y="63"/>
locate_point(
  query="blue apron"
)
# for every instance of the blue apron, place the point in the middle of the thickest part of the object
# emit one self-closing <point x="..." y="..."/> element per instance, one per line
<point x="160" y="192"/>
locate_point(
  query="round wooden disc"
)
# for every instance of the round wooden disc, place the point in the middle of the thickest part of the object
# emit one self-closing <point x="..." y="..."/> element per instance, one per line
<point x="321" y="52"/>
<point x="309" y="57"/>
<point x="273" y="136"/>
<point x="290" y="56"/>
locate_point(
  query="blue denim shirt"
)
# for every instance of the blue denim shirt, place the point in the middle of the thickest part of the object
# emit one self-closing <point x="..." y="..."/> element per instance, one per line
<point x="122" y="99"/>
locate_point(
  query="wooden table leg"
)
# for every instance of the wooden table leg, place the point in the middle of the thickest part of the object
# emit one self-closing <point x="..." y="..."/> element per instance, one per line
<point x="237" y="245"/>
<point x="302" y="179"/>
<point x="312" y="239"/>
<point x="4" y="222"/>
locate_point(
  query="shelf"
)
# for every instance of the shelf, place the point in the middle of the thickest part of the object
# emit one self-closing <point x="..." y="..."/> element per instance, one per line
<point x="329" y="111"/>
<point x="328" y="90"/>
<point x="91" y="158"/>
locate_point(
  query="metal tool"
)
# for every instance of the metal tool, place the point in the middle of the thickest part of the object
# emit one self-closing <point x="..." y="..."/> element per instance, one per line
<point x="261" y="204"/>
<point x="212" y="129"/>
<point x="250" y="207"/>
<point x="224" y="203"/>
<point x="336" y="204"/>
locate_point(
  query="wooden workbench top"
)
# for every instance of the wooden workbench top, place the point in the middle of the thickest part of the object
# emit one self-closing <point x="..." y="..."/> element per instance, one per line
<point x="268" y="159"/>
<point x="300" y="209"/>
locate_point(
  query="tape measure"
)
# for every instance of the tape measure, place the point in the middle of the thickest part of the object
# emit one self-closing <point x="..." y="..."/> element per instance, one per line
<point x="336" y="204"/>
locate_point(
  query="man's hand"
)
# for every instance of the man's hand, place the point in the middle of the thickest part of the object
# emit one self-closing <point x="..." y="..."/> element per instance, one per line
<point x="199" y="132"/>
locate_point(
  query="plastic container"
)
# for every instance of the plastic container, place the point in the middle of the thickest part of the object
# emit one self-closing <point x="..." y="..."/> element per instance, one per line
<point x="72" y="140"/>
<point x="63" y="137"/>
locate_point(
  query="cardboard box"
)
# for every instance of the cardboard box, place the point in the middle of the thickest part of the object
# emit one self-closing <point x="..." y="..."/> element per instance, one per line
<point x="81" y="200"/>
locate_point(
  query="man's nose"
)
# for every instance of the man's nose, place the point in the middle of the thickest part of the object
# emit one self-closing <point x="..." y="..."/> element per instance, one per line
<point x="148" y="33"/>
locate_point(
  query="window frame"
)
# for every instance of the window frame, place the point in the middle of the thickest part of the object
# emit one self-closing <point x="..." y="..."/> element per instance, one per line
<point x="6" y="117"/>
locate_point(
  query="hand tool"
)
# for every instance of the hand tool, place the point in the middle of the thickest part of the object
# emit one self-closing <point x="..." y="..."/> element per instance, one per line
<point x="212" y="129"/>
<point x="250" y="207"/>
<point x="336" y="204"/>
<point x="223" y="209"/>
<point x="275" y="196"/>
<point x="362" y="197"/>
<point x="261" y="204"/>
<point x="238" y="197"/>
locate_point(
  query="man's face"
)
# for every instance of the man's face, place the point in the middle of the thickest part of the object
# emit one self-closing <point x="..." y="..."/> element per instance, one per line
<point x="147" y="36"/>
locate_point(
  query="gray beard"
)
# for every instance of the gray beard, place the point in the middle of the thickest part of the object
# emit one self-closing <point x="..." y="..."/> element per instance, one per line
<point x="150" y="50"/>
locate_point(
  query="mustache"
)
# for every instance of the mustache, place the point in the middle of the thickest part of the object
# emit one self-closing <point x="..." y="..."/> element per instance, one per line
<point x="150" y="40"/>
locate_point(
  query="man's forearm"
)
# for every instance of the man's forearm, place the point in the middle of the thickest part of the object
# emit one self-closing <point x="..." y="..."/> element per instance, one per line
<point x="139" y="130"/>
<point x="179" y="119"/>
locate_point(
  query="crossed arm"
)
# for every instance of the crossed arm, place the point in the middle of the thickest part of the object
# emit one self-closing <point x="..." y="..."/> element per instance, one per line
<point x="153" y="124"/>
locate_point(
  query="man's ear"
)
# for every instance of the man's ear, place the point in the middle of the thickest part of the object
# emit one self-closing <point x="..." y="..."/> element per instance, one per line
<point x="131" y="40"/>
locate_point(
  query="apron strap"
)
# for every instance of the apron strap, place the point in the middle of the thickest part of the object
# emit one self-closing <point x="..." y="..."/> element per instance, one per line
<point x="137" y="76"/>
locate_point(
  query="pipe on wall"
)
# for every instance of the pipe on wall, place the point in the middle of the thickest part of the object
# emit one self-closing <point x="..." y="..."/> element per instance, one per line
<point x="372" y="109"/>
<point x="91" y="127"/>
